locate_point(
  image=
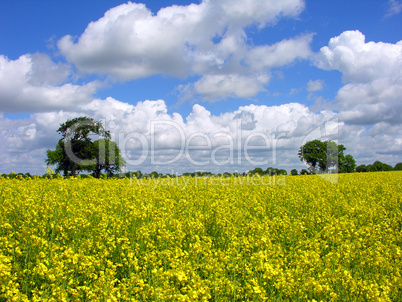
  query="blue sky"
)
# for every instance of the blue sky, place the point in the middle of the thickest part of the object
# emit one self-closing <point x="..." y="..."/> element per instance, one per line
<point x="280" y="70"/>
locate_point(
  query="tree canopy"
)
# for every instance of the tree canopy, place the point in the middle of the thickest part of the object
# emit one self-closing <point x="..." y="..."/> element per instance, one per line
<point x="321" y="156"/>
<point x="76" y="152"/>
<point x="312" y="153"/>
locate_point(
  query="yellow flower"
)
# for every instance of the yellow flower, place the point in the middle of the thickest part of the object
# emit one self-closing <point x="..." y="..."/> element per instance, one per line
<point x="201" y="239"/>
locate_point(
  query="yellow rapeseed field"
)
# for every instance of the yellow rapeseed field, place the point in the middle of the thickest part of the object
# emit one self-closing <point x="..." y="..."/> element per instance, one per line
<point x="293" y="238"/>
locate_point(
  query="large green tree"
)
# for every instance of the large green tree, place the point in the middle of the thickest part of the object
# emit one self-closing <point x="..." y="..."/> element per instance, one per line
<point x="321" y="156"/>
<point x="76" y="152"/>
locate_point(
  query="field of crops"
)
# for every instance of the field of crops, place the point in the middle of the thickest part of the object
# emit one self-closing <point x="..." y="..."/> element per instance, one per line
<point x="293" y="238"/>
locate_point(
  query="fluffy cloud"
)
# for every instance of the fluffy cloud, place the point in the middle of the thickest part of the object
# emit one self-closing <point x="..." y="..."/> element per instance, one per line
<point x="35" y="83"/>
<point x="381" y="142"/>
<point x="249" y="75"/>
<point x="206" y="39"/>
<point x="279" y="54"/>
<point x="25" y="141"/>
<point x="359" y="61"/>
<point x="374" y="75"/>
<point x="370" y="103"/>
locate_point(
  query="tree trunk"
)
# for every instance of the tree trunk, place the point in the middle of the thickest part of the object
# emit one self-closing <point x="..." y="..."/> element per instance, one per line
<point x="73" y="169"/>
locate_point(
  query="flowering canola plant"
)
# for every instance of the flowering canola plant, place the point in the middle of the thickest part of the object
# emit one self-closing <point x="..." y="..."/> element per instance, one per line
<point x="290" y="238"/>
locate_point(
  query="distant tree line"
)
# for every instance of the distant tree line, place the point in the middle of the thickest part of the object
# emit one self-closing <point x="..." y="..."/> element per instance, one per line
<point x="378" y="166"/>
<point x="257" y="171"/>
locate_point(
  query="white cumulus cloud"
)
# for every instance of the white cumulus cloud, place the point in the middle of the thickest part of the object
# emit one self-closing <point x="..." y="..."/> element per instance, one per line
<point x="360" y="61"/>
<point x="373" y="75"/>
<point x="206" y="39"/>
<point x="34" y="83"/>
